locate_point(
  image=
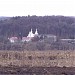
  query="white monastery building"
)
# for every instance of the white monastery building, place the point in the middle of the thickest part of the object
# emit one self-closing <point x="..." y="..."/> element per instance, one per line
<point x="30" y="36"/>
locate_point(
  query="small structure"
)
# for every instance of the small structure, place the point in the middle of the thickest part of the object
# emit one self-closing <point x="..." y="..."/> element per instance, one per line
<point x="26" y="39"/>
<point x="53" y="37"/>
<point x="49" y="37"/>
<point x="67" y="40"/>
<point x="13" y="39"/>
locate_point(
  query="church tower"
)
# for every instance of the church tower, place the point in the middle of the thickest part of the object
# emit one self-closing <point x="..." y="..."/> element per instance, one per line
<point x="30" y="34"/>
<point x="36" y="33"/>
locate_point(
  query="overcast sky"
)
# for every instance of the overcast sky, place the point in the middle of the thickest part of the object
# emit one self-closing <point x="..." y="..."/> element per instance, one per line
<point x="37" y="7"/>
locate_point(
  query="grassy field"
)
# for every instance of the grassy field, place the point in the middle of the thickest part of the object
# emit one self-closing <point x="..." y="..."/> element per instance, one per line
<point x="49" y="58"/>
<point x="37" y="62"/>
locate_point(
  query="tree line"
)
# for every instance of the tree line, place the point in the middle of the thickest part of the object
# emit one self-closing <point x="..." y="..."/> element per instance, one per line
<point x="61" y="26"/>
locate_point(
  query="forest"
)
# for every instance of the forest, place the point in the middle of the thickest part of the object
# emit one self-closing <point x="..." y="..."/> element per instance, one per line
<point x="61" y="26"/>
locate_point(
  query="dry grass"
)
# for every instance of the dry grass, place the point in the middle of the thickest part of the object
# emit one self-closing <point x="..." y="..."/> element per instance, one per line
<point x="38" y="58"/>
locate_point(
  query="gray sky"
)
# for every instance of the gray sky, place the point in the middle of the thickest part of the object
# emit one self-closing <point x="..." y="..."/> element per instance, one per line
<point x="37" y="7"/>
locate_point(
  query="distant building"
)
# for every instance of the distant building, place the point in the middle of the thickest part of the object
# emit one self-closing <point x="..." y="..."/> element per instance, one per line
<point x="36" y="33"/>
<point x="67" y="40"/>
<point x="53" y="37"/>
<point x="30" y="36"/>
<point x="13" y="39"/>
<point x="49" y="37"/>
<point x="27" y="39"/>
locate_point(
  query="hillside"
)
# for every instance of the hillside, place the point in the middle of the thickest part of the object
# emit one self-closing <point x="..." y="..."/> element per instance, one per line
<point x="60" y="26"/>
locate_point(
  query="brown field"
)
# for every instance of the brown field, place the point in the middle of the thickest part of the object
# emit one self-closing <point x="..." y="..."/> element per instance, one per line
<point x="50" y="58"/>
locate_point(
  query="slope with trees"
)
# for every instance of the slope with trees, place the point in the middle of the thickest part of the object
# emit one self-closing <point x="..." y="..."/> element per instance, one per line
<point x="61" y="26"/>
